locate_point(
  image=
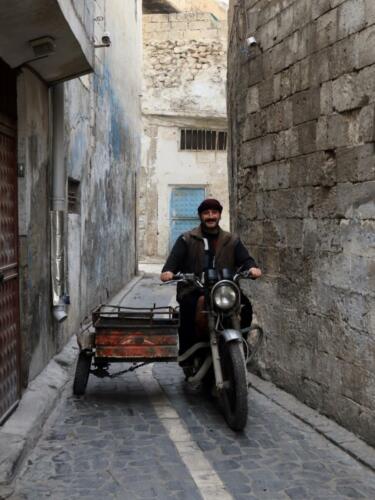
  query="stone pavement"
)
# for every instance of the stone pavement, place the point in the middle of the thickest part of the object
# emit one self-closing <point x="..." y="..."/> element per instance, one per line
<point x="113" y="443"/>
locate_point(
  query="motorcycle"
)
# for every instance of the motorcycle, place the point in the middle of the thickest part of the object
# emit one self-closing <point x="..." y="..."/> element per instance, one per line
<point x="219" y="358"/>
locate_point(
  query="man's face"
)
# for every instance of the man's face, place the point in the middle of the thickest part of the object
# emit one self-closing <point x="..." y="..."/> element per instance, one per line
<point x="210" y="218"/>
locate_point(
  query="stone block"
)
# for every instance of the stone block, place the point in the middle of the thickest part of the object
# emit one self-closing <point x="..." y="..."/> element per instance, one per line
<point x="277" y="87"/>
<point x="268" y="148"/>
<point x="266" y="93"/>
<point x="338" y="131"/>
<point x="255" y="125"/>
<point x="356" y="200"/>
<point x="326" y="30"/>
<point x="247" y="207"/>
<point x="306" y="41"/>
<point x="365" y="47"/>
<point x="370" y="12"/>
<point x="285" y="83"/>
<point x="273" y="176"/>
<point x="255" y="71"/>
<point x="317" y="169"/>
<point x="301" y="80"/>
<point x="351" y="17"/>
<point x="280" y="147"/>
<point x="286" y="203"/>
<point x="199" y="25"/>
<point x="346" y="93"/>
<point x="252" y="100"/>
<point x="285" y="23"/>
<point x="326" y="98"/>
<point x="252" y="16"/>
<point x="306" y="106"/>
<point x="342" y="58"/>
<point x="366" y="124"/>
<point x="366" y="83"/>
<point x="302" y="13"/>
<point x="280" y="116"/>
<point x="356" y="164"/>
<point x="324" y="203"/>
<point x="319" y="70"/>
<point x="307" y="137"/>
<point x="319" y="7"/>
<point x="291" y="142"/>
<point x="248" y="153"/>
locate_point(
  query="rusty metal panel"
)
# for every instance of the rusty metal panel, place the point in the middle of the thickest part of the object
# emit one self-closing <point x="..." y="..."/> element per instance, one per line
<point x="136" y="345"/>
<point x="9" y="299"/>
<point x="135" y="338"/>
<point x="132" y="352"/>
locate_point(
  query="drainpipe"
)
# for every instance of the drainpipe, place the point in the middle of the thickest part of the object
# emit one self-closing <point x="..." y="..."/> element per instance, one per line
<point x="58" y="205"/>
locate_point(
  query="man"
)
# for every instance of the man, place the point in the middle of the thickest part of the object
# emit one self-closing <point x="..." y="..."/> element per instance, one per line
<point x="226" y="251"/>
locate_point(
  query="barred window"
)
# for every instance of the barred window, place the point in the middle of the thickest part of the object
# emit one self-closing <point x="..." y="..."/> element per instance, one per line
<point x="203" y="140"/>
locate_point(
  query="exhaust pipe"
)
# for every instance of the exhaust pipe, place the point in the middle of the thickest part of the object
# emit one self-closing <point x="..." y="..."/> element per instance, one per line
<point x="58" y="206"/>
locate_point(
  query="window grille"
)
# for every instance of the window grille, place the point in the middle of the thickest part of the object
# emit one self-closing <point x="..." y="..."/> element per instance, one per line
<point x="73" y="196"/>
<point x="203" y="140"/>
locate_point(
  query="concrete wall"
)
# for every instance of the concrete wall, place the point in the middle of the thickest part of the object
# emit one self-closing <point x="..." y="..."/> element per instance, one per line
<point x="302" y="163"/>
<point x="183" y="87"/>
<point x="102" y="135"/>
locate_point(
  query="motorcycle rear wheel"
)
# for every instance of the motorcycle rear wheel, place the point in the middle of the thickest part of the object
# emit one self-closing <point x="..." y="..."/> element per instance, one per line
<point x="234" y="394"/>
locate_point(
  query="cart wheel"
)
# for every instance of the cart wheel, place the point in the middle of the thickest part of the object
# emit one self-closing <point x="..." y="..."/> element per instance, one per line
<point x="82" y="373"/>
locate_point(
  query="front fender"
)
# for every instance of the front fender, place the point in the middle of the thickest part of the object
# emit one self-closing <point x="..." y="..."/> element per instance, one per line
<point x="231" y="335"/>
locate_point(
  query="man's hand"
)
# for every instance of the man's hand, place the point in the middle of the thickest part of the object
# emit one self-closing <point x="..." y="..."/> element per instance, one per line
<point x="255" y="272"/>
<point x="166" y="276"/>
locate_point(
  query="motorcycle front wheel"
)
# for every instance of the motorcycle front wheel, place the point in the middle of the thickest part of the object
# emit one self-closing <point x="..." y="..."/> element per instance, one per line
<point x="234" y="394"/>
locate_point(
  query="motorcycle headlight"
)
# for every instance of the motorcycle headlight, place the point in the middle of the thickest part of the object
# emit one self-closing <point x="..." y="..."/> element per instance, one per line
<point x="225" y="296"/>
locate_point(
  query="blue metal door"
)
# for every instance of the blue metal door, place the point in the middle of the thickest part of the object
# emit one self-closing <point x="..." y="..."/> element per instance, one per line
<point x="184" y="216"/>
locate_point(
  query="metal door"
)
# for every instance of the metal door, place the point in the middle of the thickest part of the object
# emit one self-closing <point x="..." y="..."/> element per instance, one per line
<point x="184" y="204"/>
<point x="9" y="300"/>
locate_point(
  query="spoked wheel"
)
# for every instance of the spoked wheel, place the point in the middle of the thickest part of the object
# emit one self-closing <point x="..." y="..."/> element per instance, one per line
<point x="234" y="394"/>
<point x="82" y="373"/>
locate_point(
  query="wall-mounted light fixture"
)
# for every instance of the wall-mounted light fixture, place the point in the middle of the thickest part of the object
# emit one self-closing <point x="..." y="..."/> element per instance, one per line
<point x="106" y="41"/>
<point x="43" y="46"/>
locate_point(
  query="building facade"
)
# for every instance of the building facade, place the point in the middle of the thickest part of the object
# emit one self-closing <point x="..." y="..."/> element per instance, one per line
<point x="301" y="105"/>
<point x="184" y="125"/>
<point x="70" y="149"/>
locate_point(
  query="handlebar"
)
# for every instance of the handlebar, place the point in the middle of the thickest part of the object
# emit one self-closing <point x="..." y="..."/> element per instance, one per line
<point x="192" y="278"/>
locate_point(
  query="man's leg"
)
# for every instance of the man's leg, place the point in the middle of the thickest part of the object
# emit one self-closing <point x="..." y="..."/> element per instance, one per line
<point x="246" y="312"/>
<point x="186" y="331"/>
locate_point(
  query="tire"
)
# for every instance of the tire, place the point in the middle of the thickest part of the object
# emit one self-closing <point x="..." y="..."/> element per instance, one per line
<point x="82" y="373"/>
<point x="234" y="394"/>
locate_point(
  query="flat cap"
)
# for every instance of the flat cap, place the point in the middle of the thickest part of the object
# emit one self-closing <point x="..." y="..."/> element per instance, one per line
<point x="210" y="204"/>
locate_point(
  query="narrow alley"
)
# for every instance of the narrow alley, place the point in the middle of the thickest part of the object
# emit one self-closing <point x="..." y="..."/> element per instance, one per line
<point x="147" y="434"/>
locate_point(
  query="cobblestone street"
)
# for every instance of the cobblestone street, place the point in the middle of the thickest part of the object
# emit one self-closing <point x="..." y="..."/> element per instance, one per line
<point x="112" y="443"/>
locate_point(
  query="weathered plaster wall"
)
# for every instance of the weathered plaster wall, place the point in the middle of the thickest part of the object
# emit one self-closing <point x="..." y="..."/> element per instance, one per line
<point x="302" y="163"/>
<point x="103" y="136"/>
<point x="165" y="167"/>
<point x="103" y="127"/>
<point x="38" y="336"/>
<point x="183" y="87"/>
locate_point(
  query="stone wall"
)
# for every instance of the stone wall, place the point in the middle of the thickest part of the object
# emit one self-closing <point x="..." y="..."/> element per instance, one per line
<point x="302" y="161"/>
<point x="184" y="65"/>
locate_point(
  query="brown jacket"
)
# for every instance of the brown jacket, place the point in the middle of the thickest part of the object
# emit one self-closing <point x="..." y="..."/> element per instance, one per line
<point x="194" y="263"/>
<point x="224" y="255"/>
